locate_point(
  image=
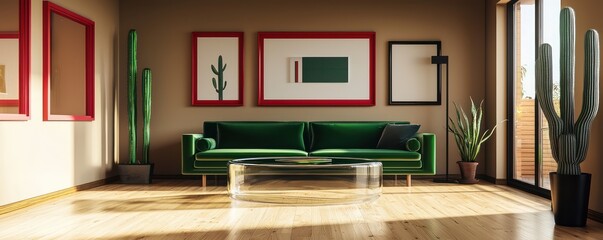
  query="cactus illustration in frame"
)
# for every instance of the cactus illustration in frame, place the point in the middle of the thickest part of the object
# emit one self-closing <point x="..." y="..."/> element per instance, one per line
<point x="219" y="85"/>
<point x="569" y="139"/>
<point x="214" y="83"/>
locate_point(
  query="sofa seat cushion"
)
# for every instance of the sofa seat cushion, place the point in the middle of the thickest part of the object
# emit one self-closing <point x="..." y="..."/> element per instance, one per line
<point x="389" y="158"/>
<point x="233" y="153"/>
<point x="381" y="154"/>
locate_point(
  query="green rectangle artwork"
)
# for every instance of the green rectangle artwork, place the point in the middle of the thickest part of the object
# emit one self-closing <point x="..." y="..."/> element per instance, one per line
<point x="318" y="69"/>
<point x="2" y="79"/>
<point x="324" y="69"/>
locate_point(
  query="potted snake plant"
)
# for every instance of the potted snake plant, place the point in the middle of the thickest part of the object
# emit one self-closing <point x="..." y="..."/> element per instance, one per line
<point x="570" y="188"/>
<point x="469" y="137"/>
<point x="137" y="171"/>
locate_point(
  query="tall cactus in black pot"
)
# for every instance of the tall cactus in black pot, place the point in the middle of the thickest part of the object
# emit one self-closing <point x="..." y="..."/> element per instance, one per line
<point x="137" y="171"/>
<point x="570" y="187"/>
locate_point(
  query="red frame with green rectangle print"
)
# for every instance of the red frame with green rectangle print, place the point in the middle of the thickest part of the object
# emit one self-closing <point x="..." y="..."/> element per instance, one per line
<point x="280" y="55"/>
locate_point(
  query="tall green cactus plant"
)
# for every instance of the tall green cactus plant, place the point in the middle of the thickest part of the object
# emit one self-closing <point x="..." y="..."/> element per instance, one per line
<point x="132" y="66"/>
<point x="132" y="106"/>
<point x="146" y="114"/>
<point x="569" y="139"/>
<point x="220" y="85"/>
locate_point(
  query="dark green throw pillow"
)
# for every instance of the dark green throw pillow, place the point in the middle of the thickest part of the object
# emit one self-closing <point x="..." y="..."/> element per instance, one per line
<point x="395" y="136"/>
<point x="413" y="145"/>
<point x="346" y="134"/>
<point x="204" y="144"/>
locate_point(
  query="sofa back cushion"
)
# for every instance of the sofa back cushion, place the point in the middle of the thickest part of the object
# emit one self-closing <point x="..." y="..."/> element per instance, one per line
<point x="276" y="135"/>
<point x="365" y="135"/>
<point x="210" y="128"/>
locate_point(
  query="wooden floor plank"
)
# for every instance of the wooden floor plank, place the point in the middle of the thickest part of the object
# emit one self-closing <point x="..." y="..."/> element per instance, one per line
<point x="182" y="209"/>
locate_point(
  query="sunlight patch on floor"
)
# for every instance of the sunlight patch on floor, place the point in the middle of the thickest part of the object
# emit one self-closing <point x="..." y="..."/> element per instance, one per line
<point x="425" y="210"/>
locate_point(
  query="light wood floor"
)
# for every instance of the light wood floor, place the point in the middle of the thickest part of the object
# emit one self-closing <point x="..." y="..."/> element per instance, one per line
<point x="181" y="209"/>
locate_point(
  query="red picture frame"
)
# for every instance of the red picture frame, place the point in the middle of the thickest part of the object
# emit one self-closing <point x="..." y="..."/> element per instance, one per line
<point x="50" y="8"/>
<point x="276" y="50"/>
<point x="23" y="34"/>
<point x="207" y="48"/>
<point x="11" y="102"/>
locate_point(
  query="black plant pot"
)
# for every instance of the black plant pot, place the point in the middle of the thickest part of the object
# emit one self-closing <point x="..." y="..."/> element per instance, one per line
<point x="569" y="198"/>
<point x="135" y="173"/>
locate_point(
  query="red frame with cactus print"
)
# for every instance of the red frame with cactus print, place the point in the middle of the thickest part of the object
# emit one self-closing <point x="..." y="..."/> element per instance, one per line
<point x="205" y="45"/>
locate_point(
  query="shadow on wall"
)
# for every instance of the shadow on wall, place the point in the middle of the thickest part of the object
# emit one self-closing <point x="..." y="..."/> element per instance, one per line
<point x="97" y="136"/>
<point x="109" y="109"/>
<point x="166" y="166"/>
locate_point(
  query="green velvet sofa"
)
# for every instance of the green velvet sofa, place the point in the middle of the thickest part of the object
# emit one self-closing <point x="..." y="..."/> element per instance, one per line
<point x="207" y="153"/>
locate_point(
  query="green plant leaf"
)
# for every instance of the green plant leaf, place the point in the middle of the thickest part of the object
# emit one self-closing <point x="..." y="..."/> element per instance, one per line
<point x="467" y="131"/>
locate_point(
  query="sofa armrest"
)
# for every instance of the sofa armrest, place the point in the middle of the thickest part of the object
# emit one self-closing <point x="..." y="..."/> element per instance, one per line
<point x="428" y="152"/>
<point x="188" y="151"/>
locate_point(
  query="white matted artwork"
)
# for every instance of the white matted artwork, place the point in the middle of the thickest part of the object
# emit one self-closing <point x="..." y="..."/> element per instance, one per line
<point x="9" y="69"/>
<point x="308" y="69"/>
<point x="413" y="78"/>
<point x="217" y="69"/>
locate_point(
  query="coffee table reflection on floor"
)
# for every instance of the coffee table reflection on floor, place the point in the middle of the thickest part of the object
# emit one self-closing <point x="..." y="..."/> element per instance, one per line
<point x="307" y="181"/>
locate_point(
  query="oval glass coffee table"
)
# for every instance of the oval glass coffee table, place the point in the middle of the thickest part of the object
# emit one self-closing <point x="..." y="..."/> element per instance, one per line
<point x="305" y="180"/>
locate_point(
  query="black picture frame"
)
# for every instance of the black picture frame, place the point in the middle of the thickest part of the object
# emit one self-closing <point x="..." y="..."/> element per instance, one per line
<point x="411" y="66"/>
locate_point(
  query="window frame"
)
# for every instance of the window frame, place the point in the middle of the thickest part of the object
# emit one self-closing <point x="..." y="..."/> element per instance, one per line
<point x="511" y="104"/>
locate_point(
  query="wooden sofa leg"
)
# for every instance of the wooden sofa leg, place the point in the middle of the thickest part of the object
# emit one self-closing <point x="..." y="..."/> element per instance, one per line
<point x="203" y="181"/>
<point x="408" y="181"/>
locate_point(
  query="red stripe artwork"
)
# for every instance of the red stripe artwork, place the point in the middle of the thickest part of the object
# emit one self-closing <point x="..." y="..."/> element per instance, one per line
<point x="296" y="71"/>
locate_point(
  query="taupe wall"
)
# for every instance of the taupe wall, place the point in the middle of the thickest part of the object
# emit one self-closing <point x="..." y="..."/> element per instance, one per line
<point x="68" y="74"/>
<point x="588" y="15"/>
<point x="9" y="15"/>
<point x="164" y="29"/>
<point x="496" y="80"/>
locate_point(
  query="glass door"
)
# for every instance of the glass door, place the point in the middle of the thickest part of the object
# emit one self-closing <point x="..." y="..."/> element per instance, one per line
<point x="549" y="29"/>
<point x="530" y="159"/>
<point x="524" y="124"/>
